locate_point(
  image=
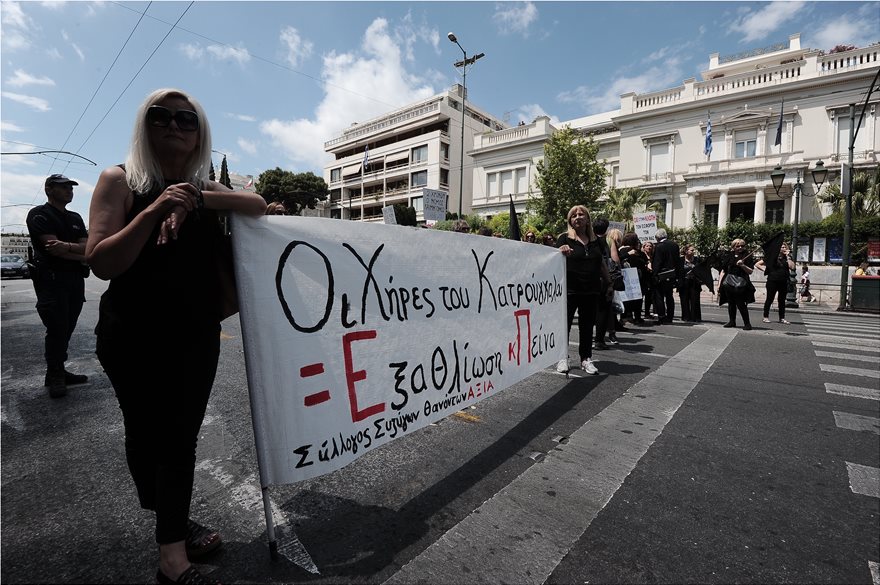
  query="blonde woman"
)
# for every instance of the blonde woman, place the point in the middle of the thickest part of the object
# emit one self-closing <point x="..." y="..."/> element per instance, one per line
<point x="588" y="282"/>
<point x="155" y="235"/>
<point x="739" y="291"/>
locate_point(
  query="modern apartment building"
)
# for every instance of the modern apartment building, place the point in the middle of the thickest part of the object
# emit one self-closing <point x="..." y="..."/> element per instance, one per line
<point x="391" y="159"/>
<point x="654" y="141"/>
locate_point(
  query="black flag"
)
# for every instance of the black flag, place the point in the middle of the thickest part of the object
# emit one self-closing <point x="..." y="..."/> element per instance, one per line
<point x="771" y="249"/>
<point x="514" y="222"/>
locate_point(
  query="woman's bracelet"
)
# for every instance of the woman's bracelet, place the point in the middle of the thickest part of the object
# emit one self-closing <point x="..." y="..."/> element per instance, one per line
<point x="200" y="200"/>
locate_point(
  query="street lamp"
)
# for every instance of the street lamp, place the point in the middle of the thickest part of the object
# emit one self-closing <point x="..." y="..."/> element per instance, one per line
<point x="463" y="64"/>
<point x="777" y="176"/>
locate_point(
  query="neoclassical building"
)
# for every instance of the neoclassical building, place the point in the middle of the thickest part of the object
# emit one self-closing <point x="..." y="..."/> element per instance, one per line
<point x="656" y="141"/>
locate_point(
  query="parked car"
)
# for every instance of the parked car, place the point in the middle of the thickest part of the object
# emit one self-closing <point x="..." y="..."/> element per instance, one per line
<point x="13" y="266"/>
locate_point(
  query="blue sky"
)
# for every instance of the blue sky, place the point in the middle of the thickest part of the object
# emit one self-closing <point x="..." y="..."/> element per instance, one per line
<point x="278" y="79"/>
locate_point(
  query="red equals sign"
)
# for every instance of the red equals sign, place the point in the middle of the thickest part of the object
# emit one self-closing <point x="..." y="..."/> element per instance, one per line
<point x="318" y="397"/>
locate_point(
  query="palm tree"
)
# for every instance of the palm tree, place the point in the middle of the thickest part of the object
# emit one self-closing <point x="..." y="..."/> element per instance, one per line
<point x="865" y="194"/>
<point x="621" y="204"/>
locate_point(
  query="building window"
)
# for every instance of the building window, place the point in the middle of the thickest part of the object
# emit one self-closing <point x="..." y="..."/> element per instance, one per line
<point x="745" y="143"/>
<point x="661" y="209"/>
<point x="658" y="159"/>
<point x="742" y="211"/>
<point x="444" y="151"/>
<point x="842" y="144"/>
<point x="418" y="204"/>
<point x="492" y="184"/>
<point x="336" y="175"/>
<point x="522" y="181"/>
<point x="420" y="154"/>
<point x="774" y="212"/>
<point x="335" y="195"/>
<point x="615" y="173"/>
<point x="506" y="182"/>
<point x="444" y="176"/>
<point x="710" y="214"/>
<point x="419" y="179"/>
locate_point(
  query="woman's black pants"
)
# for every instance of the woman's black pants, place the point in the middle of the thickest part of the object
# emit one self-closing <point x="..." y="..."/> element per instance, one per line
<point x="585" y="305"/>
<point x="779" y="289"/>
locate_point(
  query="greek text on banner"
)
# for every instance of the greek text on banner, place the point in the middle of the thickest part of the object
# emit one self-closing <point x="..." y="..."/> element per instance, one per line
<point x="356" y="334"/>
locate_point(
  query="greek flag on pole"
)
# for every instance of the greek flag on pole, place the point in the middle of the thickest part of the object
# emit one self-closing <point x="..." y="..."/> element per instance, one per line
<point x="366" y="155"/>
<point x="707" y="150"/>
<point x="779" y="128"/>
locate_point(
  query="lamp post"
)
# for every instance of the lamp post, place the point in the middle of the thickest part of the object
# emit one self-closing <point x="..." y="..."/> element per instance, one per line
<point x="777" y="176"/>
<point x="463" y="64"/>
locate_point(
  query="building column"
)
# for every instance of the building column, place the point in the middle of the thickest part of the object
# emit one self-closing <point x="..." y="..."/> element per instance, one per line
<point x="760" y="205"/>
<point x="723" y="210"/>
<point x="689" y="209"/>
<point x="669" y="206"/>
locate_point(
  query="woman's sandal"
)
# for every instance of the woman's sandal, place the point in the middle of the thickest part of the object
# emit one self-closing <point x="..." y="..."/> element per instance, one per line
<point x="191" y="576"/>
<point x="200" y="540"/>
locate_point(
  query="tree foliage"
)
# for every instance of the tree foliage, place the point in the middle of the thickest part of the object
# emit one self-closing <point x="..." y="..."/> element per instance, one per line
<point x="405" y="215"/>
<point x="568" y="175"/>
<point x="224" y="174"/>
<point x="865" y="194"/>
<point x="621" y="204"/>
<point x="295" y="190"/>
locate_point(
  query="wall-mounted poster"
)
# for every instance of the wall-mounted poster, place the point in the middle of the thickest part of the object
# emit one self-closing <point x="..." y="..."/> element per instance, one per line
<point x="818" y="249"/>
<point x="835" y="250"/>
<point x="873" y="249"/>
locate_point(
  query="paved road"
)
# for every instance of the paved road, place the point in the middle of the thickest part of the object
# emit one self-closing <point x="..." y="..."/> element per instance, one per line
<point x="700" y="454"/>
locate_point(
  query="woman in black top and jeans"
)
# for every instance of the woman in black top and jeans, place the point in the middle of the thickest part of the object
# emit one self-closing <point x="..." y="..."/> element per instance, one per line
<point x="777" y="273"/>
<point x="587" y="278"/>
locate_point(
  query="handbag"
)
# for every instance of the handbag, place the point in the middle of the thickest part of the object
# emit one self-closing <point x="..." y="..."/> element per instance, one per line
<point x="616" y="275"/>
<point x="735" y="283"/>
<point x="666" y="276"/>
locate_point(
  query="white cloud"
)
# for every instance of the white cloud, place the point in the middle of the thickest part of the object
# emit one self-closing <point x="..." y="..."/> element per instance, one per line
<point x="36" y="103"/>
<point x="595" y="101"/>
<point x="22" y="78"/>
<point x="225" y="52"/>
<point x="241" y="117"/>
<point x="79" y="52"/>
<point x="859" y="28"/>
<point x="528" y="112"/>
<point x="16" y="26"/>
<point x="407" y="33"/>
<point x="350" y="79"/>
<point x="757" y="25"/>
<point x="7" y="126"/>
<point x="53" y="4"/>
<point x="249" y="146"/>
<point x="54" y="53"/>
<point x="298" y="50"/>
<point x="515" y="17"/>
<point x="193" y="52"/>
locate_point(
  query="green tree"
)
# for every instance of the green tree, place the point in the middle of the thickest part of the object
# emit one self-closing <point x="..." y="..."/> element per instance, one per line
<point x="295" y="190"/>
<point x="865" y="197"/>
<point x="211" y="174"/>
<point x="404" y="215"/>
<point x="568" y="175"/>
<point x="621" y="204"/>
<point x="224" y="173"/>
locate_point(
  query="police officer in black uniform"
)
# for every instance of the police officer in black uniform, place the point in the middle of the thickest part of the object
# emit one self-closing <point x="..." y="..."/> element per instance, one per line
<point x="59" y="241"/>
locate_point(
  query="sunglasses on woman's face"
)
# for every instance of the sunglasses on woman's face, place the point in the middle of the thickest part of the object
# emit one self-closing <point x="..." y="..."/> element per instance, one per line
<point x="161" y="117"/>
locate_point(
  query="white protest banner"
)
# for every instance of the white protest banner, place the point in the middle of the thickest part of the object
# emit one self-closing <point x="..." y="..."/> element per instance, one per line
<point x="388" y="215"/>
<point x="645" y="225"/>
<point x="356" y="333"/>
<point x="633" y="290"/>
<point x="434" y="204"/>
<point x="617" y="225"/>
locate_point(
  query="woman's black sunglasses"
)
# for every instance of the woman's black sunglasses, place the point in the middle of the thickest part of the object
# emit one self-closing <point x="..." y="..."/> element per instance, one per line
<point x="161" y="117"/>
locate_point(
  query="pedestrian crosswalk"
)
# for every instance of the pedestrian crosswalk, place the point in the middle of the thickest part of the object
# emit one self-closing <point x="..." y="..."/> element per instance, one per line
<point x="847" y="351"/>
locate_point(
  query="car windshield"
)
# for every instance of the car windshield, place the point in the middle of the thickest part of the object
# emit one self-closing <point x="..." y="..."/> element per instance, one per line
<point x="10" y="259"/>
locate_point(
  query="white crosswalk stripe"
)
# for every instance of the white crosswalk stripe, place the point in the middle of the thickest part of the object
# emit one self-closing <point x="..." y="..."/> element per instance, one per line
<point x="847" y="356"/>
<point x="857" y="422"/>
<point x="846" y="346"/>
<point x="853" y="391"/>
<point x="855" y="341"/>
<point x="863" y="479"/>
<point x="850" y="371"/>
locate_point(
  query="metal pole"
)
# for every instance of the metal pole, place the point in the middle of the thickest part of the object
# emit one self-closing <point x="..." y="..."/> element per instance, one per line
<point x="847" y="217"/>
<point x="791" y="297"/>
<point x="463" y="108"/>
